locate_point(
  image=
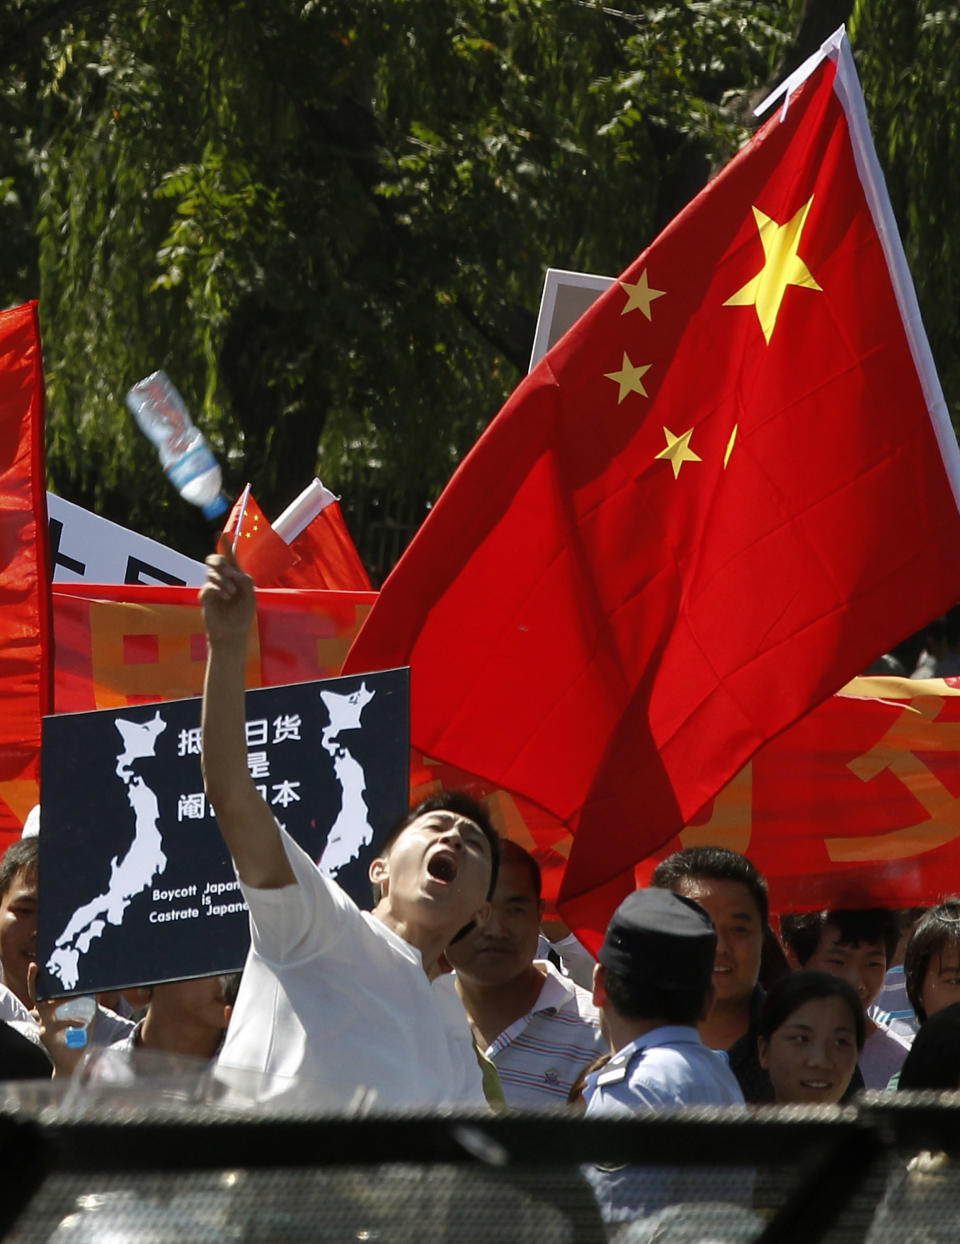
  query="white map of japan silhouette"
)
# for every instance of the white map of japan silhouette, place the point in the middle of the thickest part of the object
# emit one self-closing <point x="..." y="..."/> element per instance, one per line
<point x="145" y="859"/>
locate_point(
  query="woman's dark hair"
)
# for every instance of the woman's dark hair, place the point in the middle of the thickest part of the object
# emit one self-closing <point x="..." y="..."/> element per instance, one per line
<point x="794" y="991"/>
<point x="934" y="1058"/>
<point x="939" y="928"/>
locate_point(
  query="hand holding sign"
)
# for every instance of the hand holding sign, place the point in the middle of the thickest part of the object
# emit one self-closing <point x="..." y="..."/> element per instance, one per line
<point x="53" y="1030"/>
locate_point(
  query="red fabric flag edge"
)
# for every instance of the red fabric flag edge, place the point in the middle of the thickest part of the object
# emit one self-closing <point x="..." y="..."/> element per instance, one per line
<point x="25" y="589"/>
<point x="326" y="556"/>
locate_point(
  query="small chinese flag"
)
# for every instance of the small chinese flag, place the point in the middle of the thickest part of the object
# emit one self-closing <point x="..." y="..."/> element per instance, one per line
<point x="726" y="490"/>
<point x="256" y="546"/>
<point x="326" y="556"/>
<point x="25" y="667"/>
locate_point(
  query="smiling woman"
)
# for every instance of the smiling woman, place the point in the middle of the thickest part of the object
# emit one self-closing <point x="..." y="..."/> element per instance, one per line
<point x="811" y="1033"/>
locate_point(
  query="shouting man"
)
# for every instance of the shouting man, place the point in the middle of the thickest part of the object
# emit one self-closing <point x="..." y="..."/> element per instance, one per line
<point x="337" y="1002"/>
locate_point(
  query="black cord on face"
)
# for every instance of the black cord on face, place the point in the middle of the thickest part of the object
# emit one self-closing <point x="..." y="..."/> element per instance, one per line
<point x="467" y="928"/>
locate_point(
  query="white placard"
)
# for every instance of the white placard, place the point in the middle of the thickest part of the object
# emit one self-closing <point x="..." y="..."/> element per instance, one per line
<point x="566" y="295"/>
<point x="85" y="548"/>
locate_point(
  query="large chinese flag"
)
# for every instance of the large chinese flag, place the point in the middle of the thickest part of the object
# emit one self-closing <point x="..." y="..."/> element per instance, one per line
<point x="726" y="490"/>
<point x="25" y="687"/>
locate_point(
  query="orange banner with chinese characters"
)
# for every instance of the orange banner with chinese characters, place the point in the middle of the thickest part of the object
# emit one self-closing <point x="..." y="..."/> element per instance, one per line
<point x="131" y="644"/>
<point x="857" y="804"/>
<point x="140" y="644"/>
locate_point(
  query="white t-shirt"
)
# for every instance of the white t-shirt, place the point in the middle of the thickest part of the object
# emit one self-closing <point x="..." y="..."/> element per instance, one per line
<point x="332" y="1002"/>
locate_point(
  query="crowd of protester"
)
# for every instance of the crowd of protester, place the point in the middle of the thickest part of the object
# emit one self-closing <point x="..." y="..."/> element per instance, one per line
<point x="453" y="992"/>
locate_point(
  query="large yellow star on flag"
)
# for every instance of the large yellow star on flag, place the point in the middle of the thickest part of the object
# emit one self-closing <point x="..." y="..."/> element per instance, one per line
<point x="629" y="378"/>
<point x="782" y="266"/>
<point x="640" y="296"/>
<point x="678" y="450"/>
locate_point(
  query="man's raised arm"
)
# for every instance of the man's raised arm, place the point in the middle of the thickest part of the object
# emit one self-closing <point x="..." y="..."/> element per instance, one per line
<point x="245" y="820"/>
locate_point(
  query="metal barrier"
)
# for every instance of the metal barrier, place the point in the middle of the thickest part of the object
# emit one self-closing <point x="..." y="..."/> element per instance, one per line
<point x="178" y="1172"/>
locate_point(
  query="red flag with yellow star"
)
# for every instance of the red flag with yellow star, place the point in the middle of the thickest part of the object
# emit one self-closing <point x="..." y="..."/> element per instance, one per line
<point x="25" y="682"/>
<point x="256" y="546"/>
<point x="325" y="554"/>
<point x="726" y="490"/>
<point x="308" y="546"/>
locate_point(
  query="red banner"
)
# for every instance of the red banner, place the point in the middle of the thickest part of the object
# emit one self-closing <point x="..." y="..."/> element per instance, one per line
<point x="24" y="566"/>
<point x="857" y="804"/>
<point x="126" y="644"/>
<point x="326" y="555"/>
<point x="131" y="644"/>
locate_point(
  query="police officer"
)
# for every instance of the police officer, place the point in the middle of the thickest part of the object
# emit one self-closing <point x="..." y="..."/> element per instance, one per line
<point x="652" y="985"/>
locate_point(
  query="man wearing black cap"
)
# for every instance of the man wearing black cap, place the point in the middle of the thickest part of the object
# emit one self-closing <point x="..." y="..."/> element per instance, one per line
<point x="653" y="984"/>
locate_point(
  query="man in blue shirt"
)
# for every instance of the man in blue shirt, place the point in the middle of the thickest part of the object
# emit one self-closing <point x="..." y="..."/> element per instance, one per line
<point x="652" y="985"/>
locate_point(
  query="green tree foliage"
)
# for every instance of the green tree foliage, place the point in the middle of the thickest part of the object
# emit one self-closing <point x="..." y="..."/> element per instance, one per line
<point x="329" y="222"/>
<point x="907" y="58"/>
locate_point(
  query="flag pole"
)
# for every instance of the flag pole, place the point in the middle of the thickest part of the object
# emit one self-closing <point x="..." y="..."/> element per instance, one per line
<point x="244" y="498"/>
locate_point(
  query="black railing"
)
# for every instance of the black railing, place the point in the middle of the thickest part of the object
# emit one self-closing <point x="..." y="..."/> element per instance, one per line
<point x="181" y="1173"/>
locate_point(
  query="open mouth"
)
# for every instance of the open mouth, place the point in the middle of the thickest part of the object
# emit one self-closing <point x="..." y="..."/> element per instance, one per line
<point x="442" y="867"/>
<point x="819" y="1086"/>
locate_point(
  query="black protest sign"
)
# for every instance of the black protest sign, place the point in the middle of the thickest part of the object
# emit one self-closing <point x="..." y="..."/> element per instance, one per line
<point x="136" y="885"/>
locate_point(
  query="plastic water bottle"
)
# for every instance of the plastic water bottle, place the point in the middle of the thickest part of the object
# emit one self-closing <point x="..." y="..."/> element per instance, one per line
<point x="79" y="1010"/>
<point x="184" y="453"/>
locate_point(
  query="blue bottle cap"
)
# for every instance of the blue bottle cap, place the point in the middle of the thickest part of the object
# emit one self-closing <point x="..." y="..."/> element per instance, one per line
<point x="216" y="507"/>
<point x="76" y="1038"/>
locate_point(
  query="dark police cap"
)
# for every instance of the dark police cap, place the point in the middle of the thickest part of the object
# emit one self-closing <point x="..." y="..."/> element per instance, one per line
<point x="664" y="939"/>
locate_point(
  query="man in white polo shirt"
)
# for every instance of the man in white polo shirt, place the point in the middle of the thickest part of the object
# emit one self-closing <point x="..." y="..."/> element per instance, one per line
<point x="337" y="1003"/>
<point x="538" y="1028"/>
